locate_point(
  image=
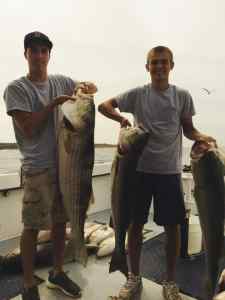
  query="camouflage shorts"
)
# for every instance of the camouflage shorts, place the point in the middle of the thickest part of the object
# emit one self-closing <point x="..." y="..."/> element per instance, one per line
<point x="42" y="202"/>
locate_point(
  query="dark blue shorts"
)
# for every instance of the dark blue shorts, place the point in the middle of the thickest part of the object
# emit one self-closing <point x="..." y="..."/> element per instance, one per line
<point x="168" y="198"/>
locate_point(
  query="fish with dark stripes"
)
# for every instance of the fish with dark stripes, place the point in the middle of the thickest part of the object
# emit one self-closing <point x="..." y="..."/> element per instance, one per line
<point x="209" y="192"/>
<point x="124" y="190"/>
<point x="76" y="162"/>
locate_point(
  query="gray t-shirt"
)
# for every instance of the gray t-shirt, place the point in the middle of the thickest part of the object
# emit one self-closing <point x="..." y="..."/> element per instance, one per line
<point x="38" y="152"/>
<point x="160" y="112"/>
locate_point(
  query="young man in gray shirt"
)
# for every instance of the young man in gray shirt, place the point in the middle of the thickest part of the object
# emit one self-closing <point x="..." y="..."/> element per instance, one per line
<point x="165" y="111"/>
<point x="32" y="103"/>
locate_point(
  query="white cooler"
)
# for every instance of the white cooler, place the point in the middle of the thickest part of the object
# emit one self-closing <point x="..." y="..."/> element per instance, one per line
<point x="191" y="235"/>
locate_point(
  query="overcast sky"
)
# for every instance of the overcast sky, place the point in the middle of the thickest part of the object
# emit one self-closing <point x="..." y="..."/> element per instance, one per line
<point x="107" y="41"/>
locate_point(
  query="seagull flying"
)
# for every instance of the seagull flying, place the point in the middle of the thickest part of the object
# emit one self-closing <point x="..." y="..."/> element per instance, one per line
<point x="207" y="91"/>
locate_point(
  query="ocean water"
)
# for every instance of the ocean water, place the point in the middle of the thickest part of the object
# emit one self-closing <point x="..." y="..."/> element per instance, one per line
<point x="10" y="159"/>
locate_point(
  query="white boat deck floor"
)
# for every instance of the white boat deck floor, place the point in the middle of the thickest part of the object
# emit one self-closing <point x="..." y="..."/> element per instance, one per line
<point x="95" y="280"/>
<point x="97" y="283"/>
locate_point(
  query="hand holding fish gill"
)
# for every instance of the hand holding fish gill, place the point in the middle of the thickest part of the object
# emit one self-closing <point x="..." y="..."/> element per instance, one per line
<point x="125" y="123"/>
<point x="122" y="149"/>
<point x="63" y="98"/>
<point x="86" y="87"/>
<point x="208" y="140"/>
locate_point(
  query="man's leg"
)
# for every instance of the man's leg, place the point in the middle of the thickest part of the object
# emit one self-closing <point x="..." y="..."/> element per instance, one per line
<point x="28" y="251"/>
<point x="134" y="283"/>
<point x="134" y="247"/>
<point x="59" y="238"/>
<point x="139" y="212"/>
<point x="169" y="209"/>
<point x="57" y="278"/>
<point x="33" y="212"/>
<point x="172" y="248"/>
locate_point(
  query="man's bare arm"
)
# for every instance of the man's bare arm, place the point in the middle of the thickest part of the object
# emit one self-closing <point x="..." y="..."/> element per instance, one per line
<point x="192" y="133"/>
<point x="30" y="122"/>
<point x="109" y="109"/>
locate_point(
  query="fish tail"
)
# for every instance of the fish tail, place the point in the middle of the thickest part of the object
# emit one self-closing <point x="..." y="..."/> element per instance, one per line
<point x="76" y="252"/>
<point x="70" y="251"/>
<point x="82" y="255"/>
<point x="118" y="263"/>
<point x="209" y="291"/>
<point x="91" y="200"/>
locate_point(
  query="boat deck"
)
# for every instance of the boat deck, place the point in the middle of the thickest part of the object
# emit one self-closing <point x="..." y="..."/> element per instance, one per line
<point x="95" y="280"/>
<point x="97" y="283"/>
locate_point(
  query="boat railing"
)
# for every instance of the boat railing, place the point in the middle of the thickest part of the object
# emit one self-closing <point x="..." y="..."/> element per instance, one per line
<point x="13" y="180"/>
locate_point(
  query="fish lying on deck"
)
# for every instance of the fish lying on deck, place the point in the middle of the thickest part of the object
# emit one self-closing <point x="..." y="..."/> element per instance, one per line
<point x="209" y="193"/>
<point x="88" y="232"/>
<point x="11" y="263"/>
<point x="124" y="191"/>
<point x="76" y="162"/>
<point x="221" y="283"/>
<point x="220" y="296"/>
<point x="106" y="247"/>
<point x="100" y="235"/>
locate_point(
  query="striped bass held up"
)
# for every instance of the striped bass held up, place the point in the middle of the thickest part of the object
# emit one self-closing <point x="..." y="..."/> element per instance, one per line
<point x="209" y="192"/>
<point x="76" y="162"/>
<point x="124" y="190"/>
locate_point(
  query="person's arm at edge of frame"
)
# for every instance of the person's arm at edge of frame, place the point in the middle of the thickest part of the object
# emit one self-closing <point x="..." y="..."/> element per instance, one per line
<point x="30" y="122"/>
<point x="192" y="133"/>
<point x="109" y="109"/>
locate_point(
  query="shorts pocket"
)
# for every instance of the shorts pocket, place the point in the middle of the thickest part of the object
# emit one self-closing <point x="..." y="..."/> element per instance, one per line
<point x="37" y="180"/>
<point x="37" y="199"/>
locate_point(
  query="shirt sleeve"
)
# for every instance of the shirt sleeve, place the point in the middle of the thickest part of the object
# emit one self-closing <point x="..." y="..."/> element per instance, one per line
<point x="68" y="84"/>
<point x="127" y="101"/>
<point x="188" y="109"/>
<point x="16" y="98"/>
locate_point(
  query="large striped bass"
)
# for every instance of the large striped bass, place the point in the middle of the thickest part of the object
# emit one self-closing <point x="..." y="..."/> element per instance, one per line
<point x="209" y="193"/>
<point x="124" y="191"/>
<point x="76" y="161"/>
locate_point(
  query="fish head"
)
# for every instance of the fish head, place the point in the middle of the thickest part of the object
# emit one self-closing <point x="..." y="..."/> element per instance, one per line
<point x="80" y="113"/>
<point x="85" y="87"/>
<point x="199" y="148"/>
<point x="206" y="163"/>
<point x="133" y="138"/>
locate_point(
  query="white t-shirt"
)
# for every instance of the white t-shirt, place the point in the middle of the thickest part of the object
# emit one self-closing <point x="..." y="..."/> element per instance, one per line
<point x="160" y="112"/>
<point x="40" y="151"/>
